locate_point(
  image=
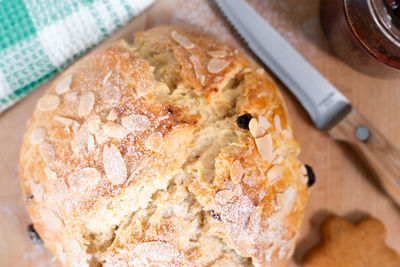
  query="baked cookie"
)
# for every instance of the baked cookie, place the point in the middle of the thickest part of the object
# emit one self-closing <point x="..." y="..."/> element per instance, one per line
<point x="172" y="151"/>
<point x="345" y="244"/>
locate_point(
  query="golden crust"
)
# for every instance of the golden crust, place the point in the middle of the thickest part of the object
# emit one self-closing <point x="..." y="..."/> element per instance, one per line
<point x="122" y="123"/>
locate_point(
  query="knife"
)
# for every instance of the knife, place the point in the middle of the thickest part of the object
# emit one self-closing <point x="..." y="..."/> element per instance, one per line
<point x="328" y="108"/>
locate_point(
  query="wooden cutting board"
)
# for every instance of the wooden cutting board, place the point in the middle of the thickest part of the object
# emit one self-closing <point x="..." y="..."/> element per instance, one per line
<point x="344" y="187"/>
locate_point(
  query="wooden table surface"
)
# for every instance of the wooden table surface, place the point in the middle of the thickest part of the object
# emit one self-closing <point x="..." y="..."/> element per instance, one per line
<point x="344" y="187"/>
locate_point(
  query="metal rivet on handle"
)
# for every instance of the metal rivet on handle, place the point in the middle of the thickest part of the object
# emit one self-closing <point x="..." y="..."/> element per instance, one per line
<point x="362" y="133"/>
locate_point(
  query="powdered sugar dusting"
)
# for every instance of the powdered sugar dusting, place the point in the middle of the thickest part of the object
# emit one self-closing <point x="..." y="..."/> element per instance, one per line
<point x="152" y="253"/>
<point x="156" y="251"/>
<point x="84" y="179"/>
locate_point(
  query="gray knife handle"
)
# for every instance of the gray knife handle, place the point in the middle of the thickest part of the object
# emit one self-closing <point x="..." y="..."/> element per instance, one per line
<point x="375" y="149"/>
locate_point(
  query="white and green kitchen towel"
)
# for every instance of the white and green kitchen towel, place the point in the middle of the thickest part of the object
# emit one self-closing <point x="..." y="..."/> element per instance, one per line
<point x="39" y="37"/>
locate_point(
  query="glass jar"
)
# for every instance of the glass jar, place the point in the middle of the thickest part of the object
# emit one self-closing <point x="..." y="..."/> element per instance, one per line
<point x="365" y="34"/>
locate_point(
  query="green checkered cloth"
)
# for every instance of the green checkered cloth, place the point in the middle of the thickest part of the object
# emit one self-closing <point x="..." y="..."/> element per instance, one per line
<point x="39" y="37"/>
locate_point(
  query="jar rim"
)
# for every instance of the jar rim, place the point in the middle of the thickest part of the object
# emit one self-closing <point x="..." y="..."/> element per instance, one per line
<point x="366" y="25"/>
<point x="384" y="20"/>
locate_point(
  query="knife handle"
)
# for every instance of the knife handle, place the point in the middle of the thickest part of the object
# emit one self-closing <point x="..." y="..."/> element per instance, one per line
<point x="374" y="148"/>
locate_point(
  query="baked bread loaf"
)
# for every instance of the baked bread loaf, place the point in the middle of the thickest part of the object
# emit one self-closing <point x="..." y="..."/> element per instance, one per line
<point x="144" y="154"/>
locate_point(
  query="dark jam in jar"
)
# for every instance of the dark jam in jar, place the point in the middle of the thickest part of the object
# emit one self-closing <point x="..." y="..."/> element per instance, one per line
<point x="393" y="7"/>
<point x="365" y="34"/>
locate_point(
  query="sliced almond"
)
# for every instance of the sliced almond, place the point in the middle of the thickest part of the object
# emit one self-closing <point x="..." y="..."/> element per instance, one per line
<point x="195" y="60"/>
<point x="154" y="142"/>
<point x="277" y="122"/>
<point x="216" y="65"/>
<point x="94" y="124"/>
<point x="114" y="130"/>
<point x="51" y="175"/>
<point x="86" y="104"/>
<point x="63" y="86"/>
<point x="286" y="199"/>
<point x="37" y="136"/>
<point x="84" y="179"/>
<point x="236" y="172"/>
<point x="202" y="79"/>
<point x="182" y="40"/>
<point x="111" y="95"/>
<point x="255" y="129"/>
<point x="136" y="122"/>
<point x="263" y="123"/>
<point x="217" y="53"/>
<point x="253" y="126"/>
<point x="274" y="174"/>
<point x="66" y="121"/>
<point x="71" y="98"/>
<point x="90" y="143"/>
<point x="101" y="137"/>
<point x="258" y="127"/>
<point x="264" y="146"/>
<point x="224" y="196"/>
<point x="114" y="164"/>
<point x="107" y="77"/>
<point x="80" y="139"/>
<point x="47" y="152"/>
<point x="113" y="115"/>
<point x="48" y="103"/>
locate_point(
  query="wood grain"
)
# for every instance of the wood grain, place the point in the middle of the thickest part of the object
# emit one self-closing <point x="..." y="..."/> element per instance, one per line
<point x="381" y="157"/>
<point x="344" y="186"/>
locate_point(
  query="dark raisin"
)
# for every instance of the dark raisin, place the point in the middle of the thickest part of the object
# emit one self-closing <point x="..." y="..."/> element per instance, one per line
<point x="243" y="121"/>
<point x="33" y="235"/>
<point x="311" y="175"/>
<point x="215" y="215"/>
<point x="29" y="197"/>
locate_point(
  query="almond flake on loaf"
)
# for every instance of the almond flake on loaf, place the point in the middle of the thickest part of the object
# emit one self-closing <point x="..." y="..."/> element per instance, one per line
<point x="48" y="103"/>
<point x="217" y="53"/>
<point x="37" y="136"/>
<point x="64" y="85"/>
<point x="216" y="65"/>
<point x="134" y="158"/>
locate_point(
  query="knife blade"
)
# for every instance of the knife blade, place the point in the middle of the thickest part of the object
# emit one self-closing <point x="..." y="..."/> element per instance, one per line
<point x="323" y="102"/>
<point x="327" y="107"/>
